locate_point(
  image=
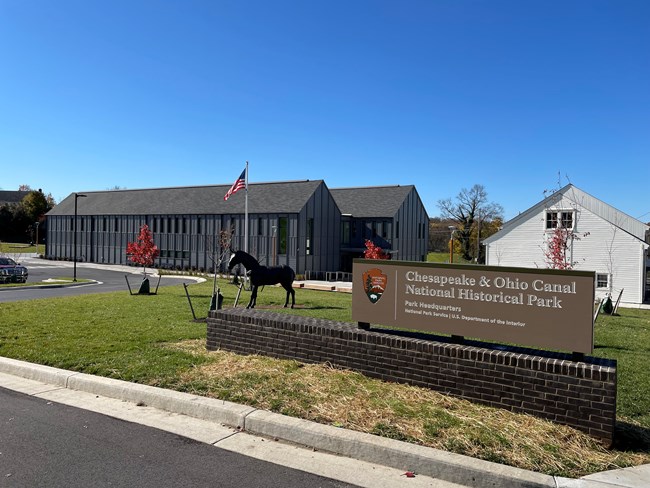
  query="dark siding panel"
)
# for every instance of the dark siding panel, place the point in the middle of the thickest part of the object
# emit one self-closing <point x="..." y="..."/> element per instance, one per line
<point x="109" y="246"/>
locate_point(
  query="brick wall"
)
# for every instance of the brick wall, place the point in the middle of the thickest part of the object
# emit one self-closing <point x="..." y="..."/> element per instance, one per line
<point x="547" y="385"/>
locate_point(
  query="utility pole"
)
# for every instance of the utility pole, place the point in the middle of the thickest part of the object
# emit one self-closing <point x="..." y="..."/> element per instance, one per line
<point x="74" y="237"/>
<point x="451" y="244"/>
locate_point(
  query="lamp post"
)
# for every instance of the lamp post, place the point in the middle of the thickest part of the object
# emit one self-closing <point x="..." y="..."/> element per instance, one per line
<point x="478" y="237"/>
<point x="274" y="243"/>
<point x="74" y="236"/>
<point x="36" y="225"/>
<point x="451" y="243"/>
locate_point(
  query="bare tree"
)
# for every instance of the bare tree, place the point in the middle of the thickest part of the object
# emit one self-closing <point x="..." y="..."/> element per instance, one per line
<point x="218" y="248"/>
<point x="470" y="208"/>
<point x="439" y="234"/>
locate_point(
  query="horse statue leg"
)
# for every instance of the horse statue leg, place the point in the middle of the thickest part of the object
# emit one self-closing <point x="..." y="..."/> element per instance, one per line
<point x="253" y="300"/>
<point x="290" y="290"/>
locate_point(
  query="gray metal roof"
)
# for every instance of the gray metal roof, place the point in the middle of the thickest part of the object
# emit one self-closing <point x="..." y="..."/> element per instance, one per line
<point x="277" y="197"/>
<point x="12" y="196"/>
<point x="372" y="201"/>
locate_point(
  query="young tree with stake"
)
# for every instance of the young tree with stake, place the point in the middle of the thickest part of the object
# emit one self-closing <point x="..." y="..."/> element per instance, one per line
<point x="144" y="252"/>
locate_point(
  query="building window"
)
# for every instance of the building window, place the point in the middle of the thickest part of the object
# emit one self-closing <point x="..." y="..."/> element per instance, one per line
<point x="116" y="224"/>
<point x="260" y="226"/>
<point x="198" y="225"/>
<point x="345" y="232"/>
<point x="397" y="230"/>
<point x="184" y="225"/>
<point x="555" y="219"/>
<point x="282" y="243"/>
<point x="104" y="224"/>
<point x="602" y="280"/>
<point x="310" y="235"/>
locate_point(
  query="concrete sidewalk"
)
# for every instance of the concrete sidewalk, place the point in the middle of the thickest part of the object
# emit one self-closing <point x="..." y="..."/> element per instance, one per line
<point x="444" y="467"/>
<point x="338" y="286"/>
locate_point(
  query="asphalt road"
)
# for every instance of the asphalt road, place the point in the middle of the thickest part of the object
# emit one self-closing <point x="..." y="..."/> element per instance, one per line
<point x="47" y="444"/>
<point x="107" y="279"/>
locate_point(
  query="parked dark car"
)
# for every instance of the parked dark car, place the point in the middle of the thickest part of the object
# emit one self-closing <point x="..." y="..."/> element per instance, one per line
<point x="12" y="272"/>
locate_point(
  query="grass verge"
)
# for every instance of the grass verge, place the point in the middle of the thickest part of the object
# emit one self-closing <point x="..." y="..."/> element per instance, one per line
<point x="61" y="280"/>
<point x="152" y="340"/>
<point x="19" y="248"/>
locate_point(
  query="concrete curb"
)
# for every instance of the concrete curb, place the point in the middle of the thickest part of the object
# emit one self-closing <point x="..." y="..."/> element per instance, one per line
<point x="53" y="285"/>
<point x="443" y="465"/>
<point x="220" y="411"/>
<point x="455" y="468"/>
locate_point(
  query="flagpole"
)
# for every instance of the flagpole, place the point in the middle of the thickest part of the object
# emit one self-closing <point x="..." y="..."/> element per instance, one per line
<point x="246" y="213"/>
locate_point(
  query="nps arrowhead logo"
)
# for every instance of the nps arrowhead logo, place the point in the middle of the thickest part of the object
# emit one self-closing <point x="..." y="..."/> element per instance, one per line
<point x="374" y="284"/>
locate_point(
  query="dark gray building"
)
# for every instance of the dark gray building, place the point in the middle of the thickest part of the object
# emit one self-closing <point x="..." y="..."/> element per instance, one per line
<point x="393" y="217"/>
<point x="299" y="223"/>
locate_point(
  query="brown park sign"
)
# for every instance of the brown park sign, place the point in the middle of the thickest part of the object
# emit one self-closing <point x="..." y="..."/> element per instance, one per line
<point x="534" y="307"/>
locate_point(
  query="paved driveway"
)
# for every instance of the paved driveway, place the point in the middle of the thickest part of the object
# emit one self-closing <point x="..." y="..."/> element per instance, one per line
<point x="106" y="278"/>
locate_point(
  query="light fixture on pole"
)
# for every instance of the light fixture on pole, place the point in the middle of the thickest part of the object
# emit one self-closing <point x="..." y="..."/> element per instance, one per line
<point x="452" y="228"/>
<point x="74" y="236"/>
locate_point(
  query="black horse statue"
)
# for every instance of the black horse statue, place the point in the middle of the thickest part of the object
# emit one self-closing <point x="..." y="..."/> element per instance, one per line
<point x="261" y="275"/>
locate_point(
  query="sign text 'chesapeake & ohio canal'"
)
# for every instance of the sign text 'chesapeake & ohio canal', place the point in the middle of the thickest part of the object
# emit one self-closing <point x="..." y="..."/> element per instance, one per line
<point x="504" y="290"/>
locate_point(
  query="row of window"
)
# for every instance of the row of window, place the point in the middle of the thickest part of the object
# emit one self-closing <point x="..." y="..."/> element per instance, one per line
<point x="352" y="229"/>
<point x="174" y="254"/>
<point x="180" y="225"/>
<point x="164" y="225"/>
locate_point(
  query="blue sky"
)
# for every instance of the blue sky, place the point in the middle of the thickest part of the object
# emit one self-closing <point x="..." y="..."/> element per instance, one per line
<point x="518" y="96"/>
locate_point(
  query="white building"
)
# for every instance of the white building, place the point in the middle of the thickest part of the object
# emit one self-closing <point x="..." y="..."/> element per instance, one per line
<point x="606" y="241"/>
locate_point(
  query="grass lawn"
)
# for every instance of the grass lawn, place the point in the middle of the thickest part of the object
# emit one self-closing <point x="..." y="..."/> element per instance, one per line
<point x="626" y="338"/>
<point x="443" y="257"/>
<point x="153" y="340"/>
<point x="18" y="248"/>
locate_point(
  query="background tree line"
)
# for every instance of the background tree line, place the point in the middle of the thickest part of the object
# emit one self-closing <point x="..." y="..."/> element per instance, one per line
<point x="470" y="217"/>
<point x="18" y="220"/>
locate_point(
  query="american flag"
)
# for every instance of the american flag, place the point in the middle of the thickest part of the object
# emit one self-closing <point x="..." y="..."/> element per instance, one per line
<point x="237" y="185"/>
